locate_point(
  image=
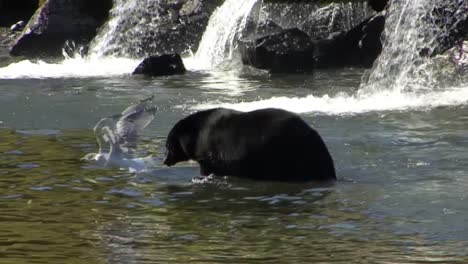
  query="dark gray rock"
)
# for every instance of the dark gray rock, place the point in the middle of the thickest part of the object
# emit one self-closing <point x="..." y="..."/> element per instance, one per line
<point x="167" y="64"/>
<point x="256" y="29"/>
<point x="160" y="27"/>
<point x="268" y="27"/>
<point x="378" y="5"/>
<point x="317" y="18"/>
<point x="290" y="50"/>
<point x="57" y="21"/>
<point x="18" y="26"/>
<point x="450" y="17"/>
<point x="12" y="11"/>
<point x="357" y="47"/>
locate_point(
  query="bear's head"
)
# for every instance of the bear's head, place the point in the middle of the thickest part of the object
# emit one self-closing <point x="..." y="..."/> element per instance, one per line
<point x="180" y="143"/>
<point x="183" y="138"/>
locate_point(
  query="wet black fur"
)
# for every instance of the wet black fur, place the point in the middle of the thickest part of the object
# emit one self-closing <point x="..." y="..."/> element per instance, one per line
<point x="267" y="144"/>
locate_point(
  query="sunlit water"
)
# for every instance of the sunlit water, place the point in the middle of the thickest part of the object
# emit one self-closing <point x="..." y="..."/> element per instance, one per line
<point x="401" y="195"/>
<point x="400" y="156"/>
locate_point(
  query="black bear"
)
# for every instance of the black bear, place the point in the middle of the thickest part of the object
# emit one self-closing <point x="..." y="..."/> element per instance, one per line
<point x="266" y="144"/>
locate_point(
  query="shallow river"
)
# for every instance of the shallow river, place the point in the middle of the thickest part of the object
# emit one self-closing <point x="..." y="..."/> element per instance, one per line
<point x="401" y="196"/>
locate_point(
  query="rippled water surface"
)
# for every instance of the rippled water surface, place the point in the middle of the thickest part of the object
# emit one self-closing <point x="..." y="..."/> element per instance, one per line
<point x="401" y="195"/>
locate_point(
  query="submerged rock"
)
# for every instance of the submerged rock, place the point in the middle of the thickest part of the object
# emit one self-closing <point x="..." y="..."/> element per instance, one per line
<point x="290" y="50"/>
<point x="57" y="21"/>
<point x="167" y="64"/>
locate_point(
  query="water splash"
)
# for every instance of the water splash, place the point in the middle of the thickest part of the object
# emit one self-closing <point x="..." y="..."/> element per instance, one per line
<point x="224" y="28"/>
<point x="318" y="21"/>
<point x="410" y="35"/>
<point x="122" y="33"/>
<point x="141" y="28"/>
<point x="344" y="104"/>
<point x="77" y="67"/>
<point x="403" y="78"/>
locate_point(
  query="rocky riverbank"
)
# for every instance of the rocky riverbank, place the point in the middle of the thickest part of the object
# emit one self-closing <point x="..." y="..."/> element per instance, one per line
<point x="336" y="33"/>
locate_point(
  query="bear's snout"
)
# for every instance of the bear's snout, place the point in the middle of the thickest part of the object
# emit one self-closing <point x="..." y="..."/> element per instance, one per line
<point x="169" y="160"/>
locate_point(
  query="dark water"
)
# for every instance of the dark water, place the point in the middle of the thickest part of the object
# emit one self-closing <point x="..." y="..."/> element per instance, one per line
<point x="400" y="198"/>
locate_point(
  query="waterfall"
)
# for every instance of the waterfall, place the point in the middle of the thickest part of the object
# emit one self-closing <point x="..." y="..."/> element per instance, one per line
<point x="411" y="34"/>
<point x="227" y="23"/>
<point x="405" y="76"/>
<point x="140" y="28"/>
<point x="118" y="35"/>
<point x="224" y="28"/>
<point x="317" y="20"/>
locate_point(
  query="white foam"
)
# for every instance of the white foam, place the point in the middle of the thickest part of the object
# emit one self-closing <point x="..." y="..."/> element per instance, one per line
<point x="343" y="104"/>
<point x="77" y="67"/>
<point x="224" y="27"/>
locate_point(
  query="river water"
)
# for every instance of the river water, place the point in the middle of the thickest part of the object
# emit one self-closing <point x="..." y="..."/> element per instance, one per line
<point x="400" y="155"/>
<point x="401" y="194"/>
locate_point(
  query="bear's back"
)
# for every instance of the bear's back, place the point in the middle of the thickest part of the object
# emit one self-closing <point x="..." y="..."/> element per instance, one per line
<point x="270" y="144"/>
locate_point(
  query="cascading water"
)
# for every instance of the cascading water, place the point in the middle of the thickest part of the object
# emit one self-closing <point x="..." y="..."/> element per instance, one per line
<point x="130" y="22"/>
<point x="140" y="28"/>
<point x="318" y="21"/>
<point x="227" y="23"/>
<point x="405" y="76"/>
<point x="224" y="28"/>
<point x="411" y="35"/>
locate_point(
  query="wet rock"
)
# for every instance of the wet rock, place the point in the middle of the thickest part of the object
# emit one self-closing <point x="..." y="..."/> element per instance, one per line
<point x="57" y="21"/>
<point x="160" y="27"/>
<point x="290" y="50"/>
<point x="18" y="26"/>
<point x="318" y="18"/>
<point x="359" y="46"/>
<point x="378" y="5"/>
<point x="6" y="39"/>
<point x="262" y="28"/>
<point x="188" y="21"/>
<point x="267" y="27"/>
<point x="12" y="11"/>
<point x="167" y="64"/>
<point x="450" y="18"/>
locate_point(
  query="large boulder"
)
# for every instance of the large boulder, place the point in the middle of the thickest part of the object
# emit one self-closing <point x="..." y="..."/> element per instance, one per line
<point x="257" y="29"/>
<point x="290" y="50"/>
<point x="57" y="21"/>
<point x="450" y="19"/>
<point x="359" y="46"/>
<point x="317" y="18"/>
<point x="377" y="5"/>
<point x="12" y="11"/>
<point x="167" y="64"/>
